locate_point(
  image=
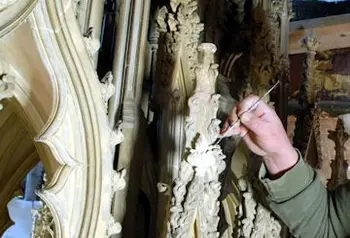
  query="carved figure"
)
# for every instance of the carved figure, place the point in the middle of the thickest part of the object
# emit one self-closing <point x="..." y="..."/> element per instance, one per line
<point x="339" y="165"/>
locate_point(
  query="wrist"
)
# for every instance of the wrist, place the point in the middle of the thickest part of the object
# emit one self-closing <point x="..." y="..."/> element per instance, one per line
<point x="279" y="163"/>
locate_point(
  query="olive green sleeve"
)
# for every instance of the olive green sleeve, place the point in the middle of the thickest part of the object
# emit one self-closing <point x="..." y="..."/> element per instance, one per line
<point x="306" y="206"/>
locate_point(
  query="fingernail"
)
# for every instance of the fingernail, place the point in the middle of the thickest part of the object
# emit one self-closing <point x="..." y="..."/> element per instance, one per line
<point x="246" y="117"/>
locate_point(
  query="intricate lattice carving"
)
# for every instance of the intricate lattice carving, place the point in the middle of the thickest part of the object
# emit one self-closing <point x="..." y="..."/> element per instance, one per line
<point x="197" y="188"/>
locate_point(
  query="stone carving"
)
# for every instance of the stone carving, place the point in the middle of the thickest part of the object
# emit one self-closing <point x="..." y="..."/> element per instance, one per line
<point x="164" y="188"/>
<point x="113" y="227"/>
<point x="6" y="88"/>
<point x="181" y="27"/>
<point x="76" y="4"/>
<point x="107" y="88"/>
<point x="254" y="219"/>
<point x="307" y="98"/>
<point x="118" y="182"/>
<point x="92" y="45"/>
<point x="179" y="30"/>
<point x="339" y="165"/>
<point x="43" y="225"/>
<point x="197" y="187"/>
<point x="117" y="135"/>
<point x="6" y="3"/>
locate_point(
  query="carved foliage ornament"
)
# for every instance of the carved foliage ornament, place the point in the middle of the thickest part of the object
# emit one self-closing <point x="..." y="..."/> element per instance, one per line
<point x="197" y="188"/>
<point x="180" y="28"/>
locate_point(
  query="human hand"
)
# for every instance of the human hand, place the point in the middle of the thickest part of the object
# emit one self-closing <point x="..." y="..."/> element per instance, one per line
<point x="263" y="133"/>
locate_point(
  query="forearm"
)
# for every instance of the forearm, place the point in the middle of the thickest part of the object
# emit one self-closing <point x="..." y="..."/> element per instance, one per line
<point x="305" y="205"/>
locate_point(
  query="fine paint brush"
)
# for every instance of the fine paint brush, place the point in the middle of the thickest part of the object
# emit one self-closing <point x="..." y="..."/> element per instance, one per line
<point x="252" y="107"/>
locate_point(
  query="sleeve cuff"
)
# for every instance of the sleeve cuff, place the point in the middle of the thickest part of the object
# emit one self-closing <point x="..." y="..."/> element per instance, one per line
<point x="289" y="184"/>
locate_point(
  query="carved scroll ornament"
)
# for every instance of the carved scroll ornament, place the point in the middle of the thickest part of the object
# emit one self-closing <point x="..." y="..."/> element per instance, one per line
<point x="197" y="187"/>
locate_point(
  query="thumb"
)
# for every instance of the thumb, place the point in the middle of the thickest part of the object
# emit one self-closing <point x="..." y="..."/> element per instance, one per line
<point x="252" y="122"/>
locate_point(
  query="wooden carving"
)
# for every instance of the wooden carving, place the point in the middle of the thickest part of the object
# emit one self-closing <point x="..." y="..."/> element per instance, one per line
<point x="307" y="98"/>
<point x="179" y="31"/>
<point x="339" y="165"/>
<point x="195" y="204"/>
<point x="254" y="219"/>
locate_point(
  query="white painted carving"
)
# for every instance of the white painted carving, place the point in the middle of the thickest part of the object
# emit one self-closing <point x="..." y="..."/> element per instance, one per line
<point x="113" y="227"/>
<point x="117" y="135"/>
<point x="196" y="190"/>
<point x="118" y="182"/>
<point x="164" y="188"/>
<point x="107" y="88"/>
<point x="6" y="88"/>
<point x="254" y="220"/>
<point x="92" y="45"/>
<point x="43" y="225"/>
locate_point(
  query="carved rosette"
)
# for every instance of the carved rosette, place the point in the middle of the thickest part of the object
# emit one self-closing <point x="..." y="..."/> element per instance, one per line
<point x="197" y="188"/>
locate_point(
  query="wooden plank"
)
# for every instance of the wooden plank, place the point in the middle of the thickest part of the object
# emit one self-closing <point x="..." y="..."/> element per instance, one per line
<point x="332" y="32"/>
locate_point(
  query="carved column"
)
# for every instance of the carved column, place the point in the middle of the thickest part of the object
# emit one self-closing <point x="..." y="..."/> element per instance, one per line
<point x="179" y="26"/>
<point x="195" y="204"/>
<point x="307" y="98"/>
<point x="339" y="165"/>
<point x="128" y="71"/>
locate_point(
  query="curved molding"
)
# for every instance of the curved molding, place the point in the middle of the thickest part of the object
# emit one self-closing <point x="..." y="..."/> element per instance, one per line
<point x="77" y="132"/>
<point x="12" y="15"/>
